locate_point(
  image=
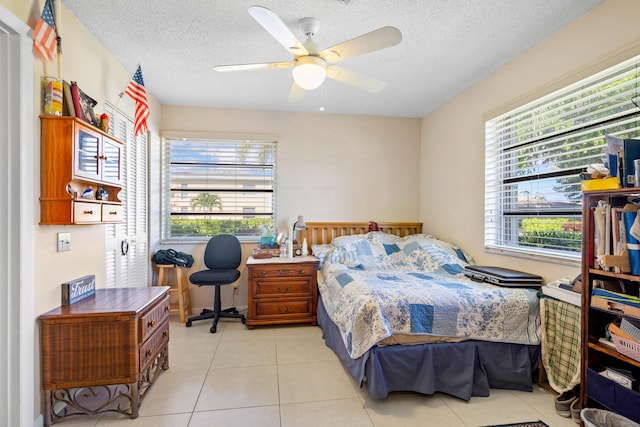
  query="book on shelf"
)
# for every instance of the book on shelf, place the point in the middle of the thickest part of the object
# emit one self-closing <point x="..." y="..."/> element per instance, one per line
<point x="621" y="153"/>
<point x="614" y="248"/>
<point x="633" y="245"/>
<point x="68" y="107"/>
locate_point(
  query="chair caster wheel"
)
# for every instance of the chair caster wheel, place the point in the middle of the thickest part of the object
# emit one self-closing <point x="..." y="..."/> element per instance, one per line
<point x="188" y="324"/>
<point x="213" y="329"/>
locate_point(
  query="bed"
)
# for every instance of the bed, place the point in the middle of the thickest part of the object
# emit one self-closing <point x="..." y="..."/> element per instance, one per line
<point x="396" y="308"/>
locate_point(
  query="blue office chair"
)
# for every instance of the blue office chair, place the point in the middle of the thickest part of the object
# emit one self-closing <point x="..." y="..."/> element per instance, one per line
<point x="222" y="257"/>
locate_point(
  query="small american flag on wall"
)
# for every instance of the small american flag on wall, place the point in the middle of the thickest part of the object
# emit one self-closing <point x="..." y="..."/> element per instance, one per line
<point x="135" y="89"/>
<point x="44" y="35"/>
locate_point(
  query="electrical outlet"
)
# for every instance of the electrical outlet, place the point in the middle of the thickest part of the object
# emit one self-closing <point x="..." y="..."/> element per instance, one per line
<point x="64" y="242"/>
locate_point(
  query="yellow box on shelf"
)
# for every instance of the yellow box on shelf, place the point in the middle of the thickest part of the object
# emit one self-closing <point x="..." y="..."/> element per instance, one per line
<point x="600" y="184"/>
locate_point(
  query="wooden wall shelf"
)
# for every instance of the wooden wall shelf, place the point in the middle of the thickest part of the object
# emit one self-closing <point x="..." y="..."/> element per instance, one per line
<point x="75" y="156"/>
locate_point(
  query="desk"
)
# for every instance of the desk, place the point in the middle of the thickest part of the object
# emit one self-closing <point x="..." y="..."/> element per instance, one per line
<point x="104" y="352"/>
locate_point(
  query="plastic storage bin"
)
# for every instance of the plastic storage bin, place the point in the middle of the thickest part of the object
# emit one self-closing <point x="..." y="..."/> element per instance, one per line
<point x="601" y="418"/>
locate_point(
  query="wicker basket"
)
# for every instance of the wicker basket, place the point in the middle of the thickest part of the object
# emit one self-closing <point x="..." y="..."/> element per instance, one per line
<point x="628" y="348"/>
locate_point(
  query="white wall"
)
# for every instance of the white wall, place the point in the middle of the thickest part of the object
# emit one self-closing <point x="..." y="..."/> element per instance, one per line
<point x="86" y="61"/>
<point x="452" y="190"/>
<point x="329" y="168"/>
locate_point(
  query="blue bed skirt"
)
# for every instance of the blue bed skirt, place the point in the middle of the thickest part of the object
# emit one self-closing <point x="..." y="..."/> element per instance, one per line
<point x="463" y="369"/>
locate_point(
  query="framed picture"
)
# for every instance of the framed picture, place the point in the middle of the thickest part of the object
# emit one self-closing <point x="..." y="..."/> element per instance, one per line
<point x="83" y="104"/>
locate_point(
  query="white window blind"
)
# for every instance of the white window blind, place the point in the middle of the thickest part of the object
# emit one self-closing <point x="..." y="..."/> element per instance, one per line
<point x="213" y="186"/>
<point x="534" y="156"/>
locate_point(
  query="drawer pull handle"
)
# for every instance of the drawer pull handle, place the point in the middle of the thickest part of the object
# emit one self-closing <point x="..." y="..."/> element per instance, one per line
<point x="149" y="352"/>
<point x="151" y="323"/>
<point x="286" y="288"/>
<point x="286" y="310"/>
<point x="282" y="271"/>
<point x="113" y="213"/>
<point x="165" y="334"/>
<point x="167" y="308"/>
<point x="301" y="271"/>
<point x="264" y="273"/>
<point x="88" y="212"/>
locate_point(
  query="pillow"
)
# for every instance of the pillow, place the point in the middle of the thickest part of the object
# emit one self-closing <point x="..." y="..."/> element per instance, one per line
<point x="428" y="253"/>
<point x="356" y="250"/>
<point x="320" y="252"/>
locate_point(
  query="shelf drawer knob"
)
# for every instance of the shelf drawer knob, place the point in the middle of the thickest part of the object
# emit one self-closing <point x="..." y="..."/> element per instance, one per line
<point x="286" y="288"/>
<point x="151" y="323"/>
<point x="88" y="212"/>
<point x="286" y="310"/>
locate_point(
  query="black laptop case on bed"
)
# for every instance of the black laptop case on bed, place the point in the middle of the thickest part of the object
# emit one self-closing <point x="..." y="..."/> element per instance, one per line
<point x="502" y="276"/>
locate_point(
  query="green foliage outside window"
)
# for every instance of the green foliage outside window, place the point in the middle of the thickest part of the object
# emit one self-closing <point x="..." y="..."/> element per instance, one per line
<point x="192" y="227"/>
<point x="551" y="233"/>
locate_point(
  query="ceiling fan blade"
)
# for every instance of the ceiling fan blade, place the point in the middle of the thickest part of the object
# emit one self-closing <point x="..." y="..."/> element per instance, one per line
<point x="375" y="40"/>
<point x="296" y="93"/>
<point x="352" y="78"/>
<point x="251" y="67"/>
<point x="274" y="26"/>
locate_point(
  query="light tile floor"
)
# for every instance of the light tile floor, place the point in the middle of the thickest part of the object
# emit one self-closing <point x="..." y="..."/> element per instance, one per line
<point x="286" y="377"/>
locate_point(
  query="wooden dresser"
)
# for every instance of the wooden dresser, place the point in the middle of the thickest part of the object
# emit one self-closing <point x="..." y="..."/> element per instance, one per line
<point x="282" y="290"/>
<point x="103" y="353"/>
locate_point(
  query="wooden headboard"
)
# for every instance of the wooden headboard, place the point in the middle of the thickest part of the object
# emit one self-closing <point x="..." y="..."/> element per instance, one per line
<point x="324" y="232"/>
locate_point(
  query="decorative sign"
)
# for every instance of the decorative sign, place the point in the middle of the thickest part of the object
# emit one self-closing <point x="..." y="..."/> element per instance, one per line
<point x="78" y="289"/>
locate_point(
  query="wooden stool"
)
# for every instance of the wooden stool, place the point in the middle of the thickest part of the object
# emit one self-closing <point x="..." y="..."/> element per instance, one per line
<point x="181" y="286"/>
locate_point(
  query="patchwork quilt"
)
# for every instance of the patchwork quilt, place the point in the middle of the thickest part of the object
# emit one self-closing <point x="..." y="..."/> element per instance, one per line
<point x="376" y="285"/>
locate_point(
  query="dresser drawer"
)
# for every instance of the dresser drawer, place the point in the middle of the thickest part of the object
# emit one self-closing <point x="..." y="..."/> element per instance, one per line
<point x="281" y="271"/>
<point x="152" y="319"/>
<point x="112" y="213"/>
<point x="149" y="349"/>
<point x="283" y="308"/>
<point x="86" y="212"/>
<point x="295" y="287"/>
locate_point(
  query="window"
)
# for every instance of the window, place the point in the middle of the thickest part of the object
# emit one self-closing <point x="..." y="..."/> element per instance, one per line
<point x="214" y="186"/>
<point x="535" y="154"/>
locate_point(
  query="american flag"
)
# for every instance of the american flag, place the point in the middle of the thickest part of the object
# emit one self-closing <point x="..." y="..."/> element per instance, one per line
<point x="44" y="35"/>
<point x="135" y="89"/>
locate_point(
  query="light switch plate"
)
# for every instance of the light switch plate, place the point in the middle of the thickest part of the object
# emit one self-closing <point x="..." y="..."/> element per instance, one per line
<point x="64" y="242"/>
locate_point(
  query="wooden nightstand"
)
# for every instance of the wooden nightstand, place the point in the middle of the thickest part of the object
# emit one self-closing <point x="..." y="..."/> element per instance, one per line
<point x="282" y="290"/>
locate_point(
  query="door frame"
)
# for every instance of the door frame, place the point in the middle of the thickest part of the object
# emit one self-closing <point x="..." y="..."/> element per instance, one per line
<point x="17" y="226"/>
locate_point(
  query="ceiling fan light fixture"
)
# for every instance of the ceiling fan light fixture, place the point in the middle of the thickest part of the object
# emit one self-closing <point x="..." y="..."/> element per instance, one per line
<point x="309" y="72"/>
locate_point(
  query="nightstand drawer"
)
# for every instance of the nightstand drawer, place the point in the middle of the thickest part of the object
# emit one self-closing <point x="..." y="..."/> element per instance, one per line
<point x="270" y="288"/>
<point x="283" y="308"/>
<point x="281" y="271"/>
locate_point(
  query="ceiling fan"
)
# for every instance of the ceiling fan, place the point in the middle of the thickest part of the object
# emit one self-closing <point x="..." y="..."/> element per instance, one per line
<point x="310" y="64"/>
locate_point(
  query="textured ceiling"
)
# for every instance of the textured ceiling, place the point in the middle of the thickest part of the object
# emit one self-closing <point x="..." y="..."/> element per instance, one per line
<point x="447" y="46"/>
